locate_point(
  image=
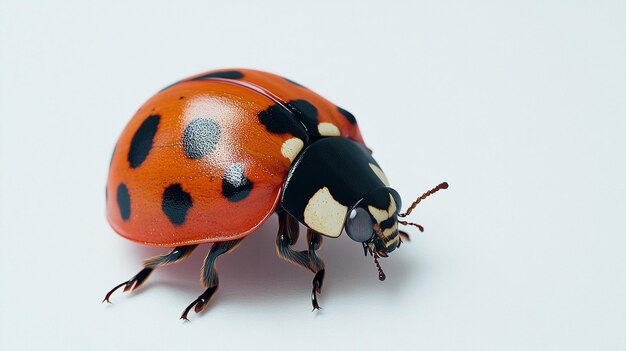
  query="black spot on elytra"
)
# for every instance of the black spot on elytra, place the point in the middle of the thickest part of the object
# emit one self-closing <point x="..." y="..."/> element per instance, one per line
<point x="176" y="202"/>
<point x="295" y="83"/>
<point x="123" y="201"/>
<point x="278" y="120"/>
<point x="222" y="74"/>
<point x="235" y="185"/>
<point x="141" y="144"/>
<point x="305" y="112"/>
<point x="200" y="137"/>
<point x="347" y="115"/>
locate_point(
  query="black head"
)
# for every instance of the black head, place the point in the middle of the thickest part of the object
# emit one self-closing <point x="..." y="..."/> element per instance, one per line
<point x="373" y="221"/>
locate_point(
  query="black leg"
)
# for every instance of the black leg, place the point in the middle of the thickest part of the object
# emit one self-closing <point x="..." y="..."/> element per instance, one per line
<point x="316" y="265"/>
<point x="288" y="232"/>
<point x="209" y="275"/>
<point x="178" y="254"/>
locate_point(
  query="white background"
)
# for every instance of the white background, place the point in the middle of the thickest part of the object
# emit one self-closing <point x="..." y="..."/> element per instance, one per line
<point x="521" y="107"/>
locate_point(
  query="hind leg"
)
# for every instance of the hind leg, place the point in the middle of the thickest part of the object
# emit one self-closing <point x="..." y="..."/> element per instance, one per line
<point x="209" y="275"/>
<point x="177" y="255"/>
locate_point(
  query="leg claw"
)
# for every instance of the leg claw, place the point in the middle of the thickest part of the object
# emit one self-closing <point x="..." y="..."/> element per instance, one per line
<point x="317" y="288"/>
<point x="315" y="306"/>
<point x="200" y="303"/>
<point x="131" y="284"/>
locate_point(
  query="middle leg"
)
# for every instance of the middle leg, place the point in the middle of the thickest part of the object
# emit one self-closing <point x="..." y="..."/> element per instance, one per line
<point x="209" y="275"/>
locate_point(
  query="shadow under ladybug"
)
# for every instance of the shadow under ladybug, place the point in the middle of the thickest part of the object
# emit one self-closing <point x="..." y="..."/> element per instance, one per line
<point x="255" y="276"/>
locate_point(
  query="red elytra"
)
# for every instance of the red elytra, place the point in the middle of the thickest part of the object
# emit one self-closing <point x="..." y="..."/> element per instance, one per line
<point x="234" y="105"/>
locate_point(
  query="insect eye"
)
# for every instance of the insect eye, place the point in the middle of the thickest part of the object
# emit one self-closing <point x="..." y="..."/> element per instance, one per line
<point x="359" y="225"/>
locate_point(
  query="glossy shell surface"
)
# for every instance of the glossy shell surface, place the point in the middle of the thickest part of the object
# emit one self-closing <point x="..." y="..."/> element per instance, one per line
<point x="204" y="159"/>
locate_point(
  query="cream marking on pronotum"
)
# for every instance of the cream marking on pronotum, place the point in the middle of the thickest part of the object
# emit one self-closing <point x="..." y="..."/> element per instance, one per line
<point x="379" y="172"/>
<point x="328" y="129"/>
<point x="291" y="148"/>
<point x="324" y="214"/>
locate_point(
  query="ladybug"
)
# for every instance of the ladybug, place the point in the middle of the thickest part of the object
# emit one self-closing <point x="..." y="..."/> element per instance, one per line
<point x="212" y="157"/>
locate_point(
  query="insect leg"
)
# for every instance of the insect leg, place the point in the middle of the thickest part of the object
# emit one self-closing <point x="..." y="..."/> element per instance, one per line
<point x="288" y="233"/>
<point x="178" y="254"/>
<point x="209" y="275"/>
<point x="316" y="265"/>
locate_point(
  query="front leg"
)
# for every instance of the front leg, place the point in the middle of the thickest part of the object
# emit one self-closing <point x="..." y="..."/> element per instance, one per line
<point x="288" y="233"/>
<point x="316" y="265"/>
